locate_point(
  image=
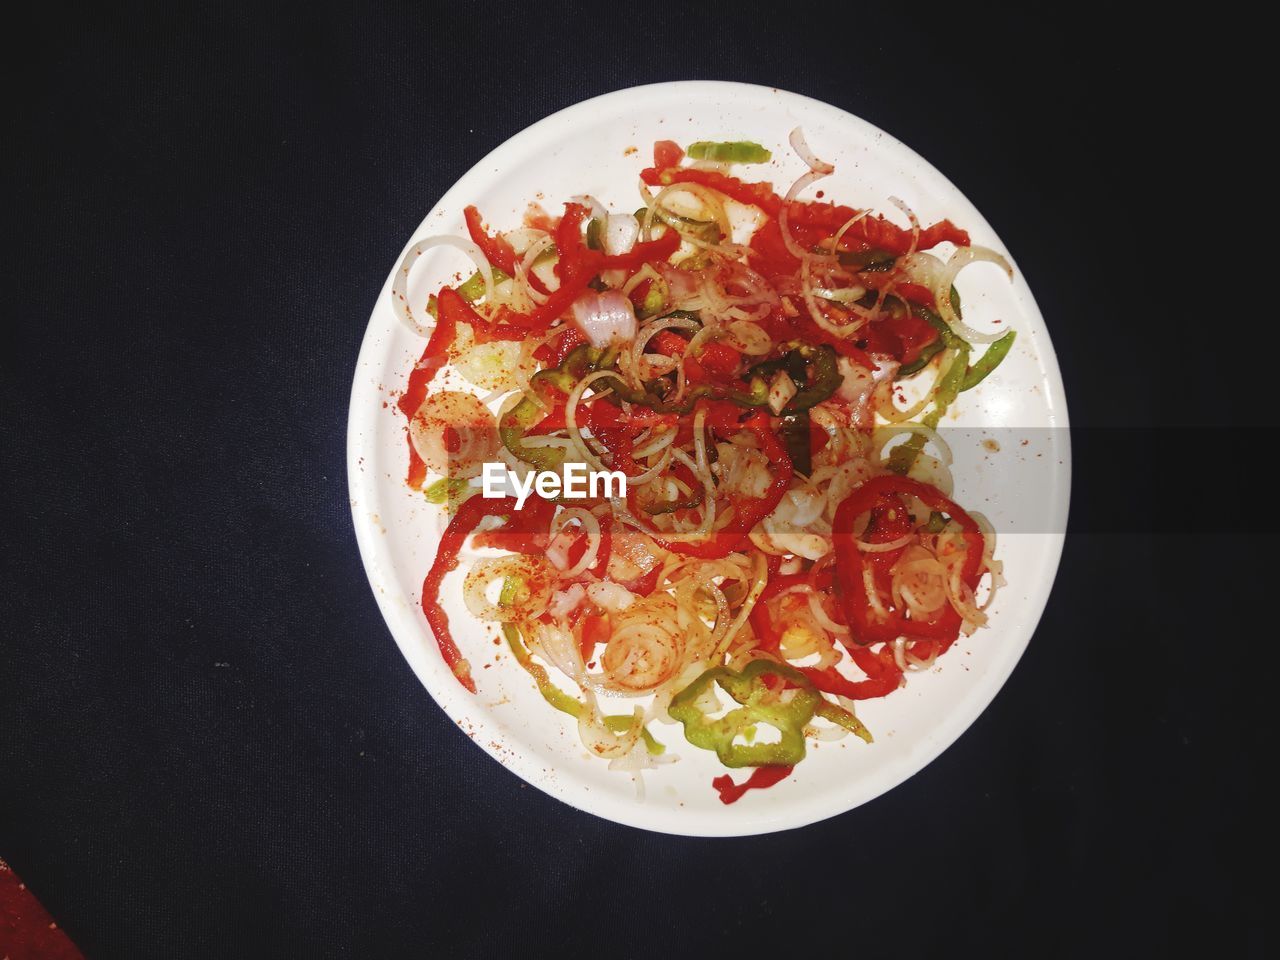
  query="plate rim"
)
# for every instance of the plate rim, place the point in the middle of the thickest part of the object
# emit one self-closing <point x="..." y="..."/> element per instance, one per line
<point x="749" y="821"/>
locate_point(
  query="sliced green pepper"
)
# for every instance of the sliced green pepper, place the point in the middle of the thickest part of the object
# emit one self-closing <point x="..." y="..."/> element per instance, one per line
<point x="450" y="491"/>
<point x="875" y="261"/>
<point x="472" y="289"/>
<point x="671" y="506"/>
<point x="904" y="455"/>
<point x="991" y="359"/>
<point x="799" y="363"/>
<point x="517" y="421"/>
<point x="834" y="713"/>
<point x="654" y="301"/>
<point x="564" y="702"/>
<point x="735" y="151"/>
<point x="795" y="435"/>
<point x="708" y="230"/>
<point x="757" y="704"/>
<point x="648" y="396"/>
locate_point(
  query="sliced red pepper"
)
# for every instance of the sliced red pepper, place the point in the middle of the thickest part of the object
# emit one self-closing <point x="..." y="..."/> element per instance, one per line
<point x="900" y="336"/>
<point x="576" y="267"/>
<point x="748" y="511"/>
<point x="436" y="353"/>
<point x="752" y="194"/>
<point x="830" y="680"/>
<point x="496" y="249"/>
<point x="851" y="592"/>
<point x="871" y="233"/>
<point x="644" y="584"/>
<point x="434" y="356"/>
<point x="464" y="522"/>
<point x="801" y="327"/>
<point x="596" y="630"/>
<point x="553" y="353"/>
<point x="667" y="153"/>
<point x="525" y="532"/>
<point x="760" y="779"/>
<point x="579" y="546"/>
<point x="648" y="251"/>
<point x="717" y="362"/>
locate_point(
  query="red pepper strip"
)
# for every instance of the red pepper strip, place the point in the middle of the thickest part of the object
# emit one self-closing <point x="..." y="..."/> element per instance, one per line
<point x="850" y="589"/>
<point x="553" y="421"/>
<point x="579" y="547"/>
<point x="761" y="777"/>
<point x="642" y="253"/>
<point x="720" y="360"/>
<point x="553" y="353"/>
<point x="868" y="233"/>
<point x="831" y="680"/>
<point x="644" y="584"/>
<point x="496" y="249"/>
<point x="915" y="293"/>
<point x="434" y="356"/>
<point x="499" y="252"/>
<point x="452" y="310"/>
<point x="818" y="439"/>
<point x="668" y="344"/>
<point x="801" y="327"/>
<point x="468" y="517"/>
<point x="525" y="531"/>
<point x="717" y="363"/>
<point x="576" y="267"/>
<point x="596" y="629"/>
<point x="752" y="194"/>
<point x="871" y="233"/>
<point x="667" y="153"/>
<point x="749" y="510"/>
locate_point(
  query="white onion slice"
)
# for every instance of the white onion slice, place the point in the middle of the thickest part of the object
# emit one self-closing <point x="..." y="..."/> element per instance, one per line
<point x="605" y="318"/>
<point x="534" y="573"/>
<point x="400" y="286"/>
<point x="620" y="233"/>
<point x="942" y="292"/>
<point x="472" y="424"/>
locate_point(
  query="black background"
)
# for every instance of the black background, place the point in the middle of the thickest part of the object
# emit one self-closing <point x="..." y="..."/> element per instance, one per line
<point x="210" y="745"/>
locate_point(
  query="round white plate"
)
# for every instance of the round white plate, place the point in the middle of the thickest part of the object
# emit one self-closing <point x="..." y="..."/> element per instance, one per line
<point x="599" y="147"/>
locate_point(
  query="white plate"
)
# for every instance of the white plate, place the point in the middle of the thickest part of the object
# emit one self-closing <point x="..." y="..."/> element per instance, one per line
<point x="599" y="147"/>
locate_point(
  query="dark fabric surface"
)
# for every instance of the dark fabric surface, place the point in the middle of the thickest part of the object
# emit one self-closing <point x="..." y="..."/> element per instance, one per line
<point x="209" y="743"/>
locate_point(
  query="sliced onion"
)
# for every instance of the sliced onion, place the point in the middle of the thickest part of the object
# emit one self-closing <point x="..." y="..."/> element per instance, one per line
<point x="400" y="286"/>
<point x="746" y="337"/>
<point x="605" y="318"/>
<point x="915" y="223"/>
<point x="801" y="147"/>
<point x="646" y="645"/>
<point x="590" y="529"/>
<point x="942" y="292"/>
<point x="599" y="739"/>
<point x="565" y="602"/>
<point x="886" y="547"/>
<point x="610" y="596"/>
<point x="471" y="423"/>
<point x="537" y="582"/>
<point x="620" y="233"/>
<point x="884" y="434"/>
